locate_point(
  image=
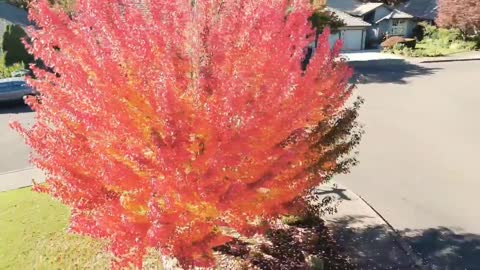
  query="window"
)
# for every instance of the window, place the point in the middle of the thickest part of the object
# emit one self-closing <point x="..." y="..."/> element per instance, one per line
<point x="398" y="27"/>
<point x="397" y="22"/>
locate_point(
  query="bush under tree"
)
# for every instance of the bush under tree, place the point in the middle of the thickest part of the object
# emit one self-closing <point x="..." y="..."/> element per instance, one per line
<point x="168" y="124"/>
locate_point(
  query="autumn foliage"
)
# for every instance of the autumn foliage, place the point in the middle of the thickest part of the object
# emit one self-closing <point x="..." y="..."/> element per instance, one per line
<point x="162" y="123"/>
<point x="462" y="14"/>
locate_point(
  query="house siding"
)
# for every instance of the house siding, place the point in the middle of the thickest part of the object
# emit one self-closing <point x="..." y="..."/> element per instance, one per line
<point x="410" y="26"/>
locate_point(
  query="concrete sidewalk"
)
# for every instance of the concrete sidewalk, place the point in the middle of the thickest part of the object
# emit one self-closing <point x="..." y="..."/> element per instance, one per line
<point x="362" y="233"/>
<point x="20" y="178"/>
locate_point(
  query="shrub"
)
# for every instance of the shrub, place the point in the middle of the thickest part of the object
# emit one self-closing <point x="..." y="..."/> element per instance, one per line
<point x="392" y="41"/>
<point x="6" y="71"/>
<point x="163" y="124"/>
<point x="436" y="42"/>
<point x="12" y="46"/>
<point x="475" y="40"/>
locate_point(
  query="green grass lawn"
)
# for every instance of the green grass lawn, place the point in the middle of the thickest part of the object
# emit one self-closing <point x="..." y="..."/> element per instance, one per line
<point x="432" y="49"/>
<point x="33" y="235"/>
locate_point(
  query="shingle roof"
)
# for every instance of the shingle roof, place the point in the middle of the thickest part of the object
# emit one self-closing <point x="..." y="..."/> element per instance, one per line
<point x="344" y="5"/>
<point x="348" y="19"/>
<point x="365" y="8"/>
<point x="423" y="9"/>
<point x="396" y="14"/>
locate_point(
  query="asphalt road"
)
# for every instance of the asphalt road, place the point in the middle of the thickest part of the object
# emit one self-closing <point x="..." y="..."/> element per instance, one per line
<point x="419" y="158"/>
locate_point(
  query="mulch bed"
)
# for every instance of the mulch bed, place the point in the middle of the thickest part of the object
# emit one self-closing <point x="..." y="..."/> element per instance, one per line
<point x="299" y="244"/>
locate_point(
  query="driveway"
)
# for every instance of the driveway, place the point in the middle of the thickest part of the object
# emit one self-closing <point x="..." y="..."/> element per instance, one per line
<point x="419" y="157"/>
<point x="368" y="55"/>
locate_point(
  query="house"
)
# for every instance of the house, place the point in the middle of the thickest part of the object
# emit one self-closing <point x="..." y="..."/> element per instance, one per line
<point x="381" y="21"/>
<point x="385" y="21"/>
<point x="422" y="10"/>
<point x="353" y="33"/>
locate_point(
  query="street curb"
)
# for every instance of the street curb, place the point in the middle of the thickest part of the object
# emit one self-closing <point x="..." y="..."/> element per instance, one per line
<point x="398" y="239"/>
<point x="451" y="60"/>
<point x="16" y="171"/>
<point x="355" y="205"/>
<point x="21" y="178"/>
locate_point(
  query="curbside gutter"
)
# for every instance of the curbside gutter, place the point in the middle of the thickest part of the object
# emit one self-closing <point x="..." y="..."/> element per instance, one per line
<point x="399" y="240"/>
<point x="460" y="57"/>
<point x="451" y="60"/>
<point x="366" y="237"/>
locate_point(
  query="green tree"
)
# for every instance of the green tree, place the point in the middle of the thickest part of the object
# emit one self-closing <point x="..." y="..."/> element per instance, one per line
<point x="13" y="46"/>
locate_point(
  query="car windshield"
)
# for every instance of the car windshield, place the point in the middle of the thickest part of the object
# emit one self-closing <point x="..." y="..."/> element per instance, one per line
<point x="11" y="86"/>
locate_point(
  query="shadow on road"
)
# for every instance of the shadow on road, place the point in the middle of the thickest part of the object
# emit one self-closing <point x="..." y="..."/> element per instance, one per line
<point x="333" y="190"/>
<point x="16" y="107"/>
<point x="439" y="248"/>
<point x="388" y="71"/>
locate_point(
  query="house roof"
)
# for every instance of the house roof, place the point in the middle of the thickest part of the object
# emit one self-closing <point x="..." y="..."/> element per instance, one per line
<point x="344" y="5"/>
<point x="348" y="19"/>
<point x="422" y="9"/>
<point x="365" y="8"/>
<point x="396" y="14"/>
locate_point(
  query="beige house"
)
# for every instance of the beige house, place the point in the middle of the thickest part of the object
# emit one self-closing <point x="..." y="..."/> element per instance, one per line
<point x="382" y="21"/>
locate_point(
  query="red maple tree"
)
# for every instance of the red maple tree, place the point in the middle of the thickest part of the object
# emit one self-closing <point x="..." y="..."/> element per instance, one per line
<point x="164" y="122"/>
<point x="462" y="14"/>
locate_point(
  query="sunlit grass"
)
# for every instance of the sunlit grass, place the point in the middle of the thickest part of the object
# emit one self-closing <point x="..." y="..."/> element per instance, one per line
<point x="33" y="235"/>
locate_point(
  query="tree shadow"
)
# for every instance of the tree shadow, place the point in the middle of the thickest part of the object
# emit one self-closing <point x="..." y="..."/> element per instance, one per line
<point x="14" y="107"/>
<point x="340" y="192"/>
<point x="377" y="247"/>
<point x="396" y="71"/>
<point x="442" y="248"/>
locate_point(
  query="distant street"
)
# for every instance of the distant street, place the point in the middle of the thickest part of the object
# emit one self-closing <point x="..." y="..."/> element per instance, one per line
<point x="420" y="155"/>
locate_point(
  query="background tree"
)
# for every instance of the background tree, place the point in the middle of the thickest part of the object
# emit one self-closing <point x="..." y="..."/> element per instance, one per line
<point x="163" y="123"/>
<point x="12" y="46"/>
<point x="462" y="14"/>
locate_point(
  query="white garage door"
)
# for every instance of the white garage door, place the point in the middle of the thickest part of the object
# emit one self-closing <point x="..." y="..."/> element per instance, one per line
<point x="352" y="40"/>
<point x="334" y="38"/>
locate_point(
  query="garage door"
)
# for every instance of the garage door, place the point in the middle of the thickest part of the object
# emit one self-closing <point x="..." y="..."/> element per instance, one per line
<point x="352" y="40"/>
